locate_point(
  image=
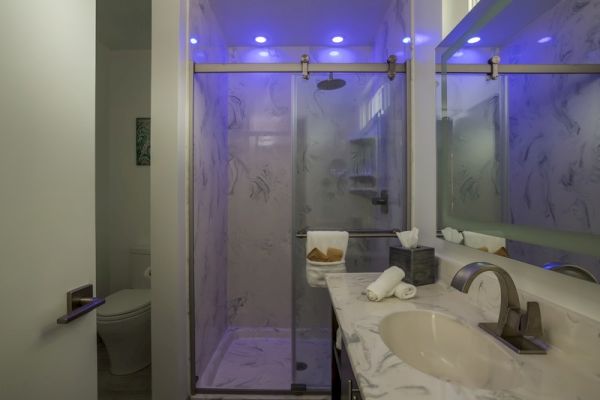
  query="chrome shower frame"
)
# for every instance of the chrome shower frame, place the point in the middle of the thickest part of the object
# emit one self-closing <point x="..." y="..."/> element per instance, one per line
<point x="304" y="68"/>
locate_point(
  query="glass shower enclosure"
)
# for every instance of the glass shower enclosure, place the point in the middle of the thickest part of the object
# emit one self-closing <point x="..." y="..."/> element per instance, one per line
<point x="273" y="156"/>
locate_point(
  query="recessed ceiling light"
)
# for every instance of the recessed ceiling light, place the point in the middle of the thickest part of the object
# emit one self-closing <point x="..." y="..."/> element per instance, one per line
<point x="337" y="39"/>
<point x="474" y="40"/>
<point x="334" y="53"/>
<point x="545" y="39"/>
<point x="406" y="40"/>
<point x="260" y="39"/>
<point x="193" y="40"/>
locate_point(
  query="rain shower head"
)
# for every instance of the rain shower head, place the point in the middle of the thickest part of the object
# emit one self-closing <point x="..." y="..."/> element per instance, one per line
<point x="331" y="83"/>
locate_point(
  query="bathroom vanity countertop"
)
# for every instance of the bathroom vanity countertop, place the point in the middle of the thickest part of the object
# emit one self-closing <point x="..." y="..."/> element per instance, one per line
<point x="381" y="375"/>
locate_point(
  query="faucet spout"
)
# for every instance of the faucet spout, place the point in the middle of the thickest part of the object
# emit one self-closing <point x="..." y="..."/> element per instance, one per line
<point x="513" y="324"/>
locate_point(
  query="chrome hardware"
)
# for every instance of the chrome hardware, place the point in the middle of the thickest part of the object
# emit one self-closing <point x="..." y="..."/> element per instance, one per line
<point x="391" y="61"/>
<point x="382" y="201"/>
<point x="304" y="62"/>
<point x="513" y="324"/>
<point x="80" y="301"/>
<point x="352" y="391"/>
<point x="572" y="270"/>
<point x="366" y="233"/>
<point x="495" y="73"/>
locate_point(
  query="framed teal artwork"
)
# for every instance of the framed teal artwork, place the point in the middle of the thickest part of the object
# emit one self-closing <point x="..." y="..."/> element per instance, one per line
<point x="142" y="141"/>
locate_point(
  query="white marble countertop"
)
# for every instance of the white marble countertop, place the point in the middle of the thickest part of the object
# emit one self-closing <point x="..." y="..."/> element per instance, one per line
<point x="382" y="375"/>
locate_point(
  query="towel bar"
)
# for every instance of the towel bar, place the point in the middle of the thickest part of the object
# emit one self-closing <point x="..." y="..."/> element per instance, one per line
<point x="362" y="233"/>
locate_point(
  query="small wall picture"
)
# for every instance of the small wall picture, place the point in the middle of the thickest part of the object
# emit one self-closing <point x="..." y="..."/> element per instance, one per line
<point x="142" y="141"/>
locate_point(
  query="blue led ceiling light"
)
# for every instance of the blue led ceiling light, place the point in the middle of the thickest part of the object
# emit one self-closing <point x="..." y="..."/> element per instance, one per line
<point x="474" y="39"/>
<point x="406" y="40"/>
<point x="260" y="39"/>
<point x="337" y="39"/>
<point x="193" y="40"/>
<point x="334" y="53"/>
<point x="263" y="53"/>
<point x="545" y="39"/>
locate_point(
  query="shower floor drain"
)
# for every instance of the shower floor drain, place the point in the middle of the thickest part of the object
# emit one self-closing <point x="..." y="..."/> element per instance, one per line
<point x="301" y="366"/>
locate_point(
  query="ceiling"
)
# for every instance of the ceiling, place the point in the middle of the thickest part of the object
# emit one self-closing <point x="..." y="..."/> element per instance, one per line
<point x="124" y="24"/>
<point x="300" y="22"/>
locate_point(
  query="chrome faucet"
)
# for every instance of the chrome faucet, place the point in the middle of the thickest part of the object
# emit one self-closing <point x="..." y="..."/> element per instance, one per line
<point x="516" y="329"/>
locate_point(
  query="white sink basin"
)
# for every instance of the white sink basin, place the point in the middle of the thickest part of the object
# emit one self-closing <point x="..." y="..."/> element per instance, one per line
<point x="446" y="348"/>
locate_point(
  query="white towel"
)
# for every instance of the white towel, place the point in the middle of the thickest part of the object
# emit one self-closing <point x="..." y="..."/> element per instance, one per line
<point x="452" y="235"/>
<point x="384" y="285"/>
<point x="479" y="241"/>
<point x="315" y="270"/>
<point x="405" y="291"/>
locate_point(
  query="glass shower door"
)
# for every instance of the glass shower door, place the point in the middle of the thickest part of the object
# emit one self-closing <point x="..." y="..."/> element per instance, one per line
<point x="349" y="157"/>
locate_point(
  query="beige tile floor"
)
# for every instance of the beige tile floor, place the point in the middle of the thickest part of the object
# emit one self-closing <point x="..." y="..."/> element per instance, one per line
<point x="136" y="386"/>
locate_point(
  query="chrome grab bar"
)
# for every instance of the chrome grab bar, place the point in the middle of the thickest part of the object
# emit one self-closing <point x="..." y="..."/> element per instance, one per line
<point x="361" y="233"/>
<point x="80" y="301"/>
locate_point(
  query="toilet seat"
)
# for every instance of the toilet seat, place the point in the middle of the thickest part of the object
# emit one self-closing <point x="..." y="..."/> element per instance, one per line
<point x="124" y="304"/>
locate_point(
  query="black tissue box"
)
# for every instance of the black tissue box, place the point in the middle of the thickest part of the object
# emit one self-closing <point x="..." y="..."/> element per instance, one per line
<point x="418" y="264"/>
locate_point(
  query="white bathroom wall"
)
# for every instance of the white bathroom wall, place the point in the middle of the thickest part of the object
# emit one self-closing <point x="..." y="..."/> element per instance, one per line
<point x="171" y="97"/>
<point x="582" y="297"/>
<point x="123" y="188"/>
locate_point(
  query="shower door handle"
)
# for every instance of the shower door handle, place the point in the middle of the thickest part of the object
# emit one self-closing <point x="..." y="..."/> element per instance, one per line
<point x="382" y="201"/>
<point x="80" y="301"/>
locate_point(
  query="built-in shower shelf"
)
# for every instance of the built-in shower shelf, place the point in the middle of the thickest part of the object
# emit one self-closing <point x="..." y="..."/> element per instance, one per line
<point x="363" y="177"/>
<point x="363" y="140"/>
<point x="363" y="192"/>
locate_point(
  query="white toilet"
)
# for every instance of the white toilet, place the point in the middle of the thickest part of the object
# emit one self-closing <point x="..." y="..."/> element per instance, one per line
<point x="124" y="320"/>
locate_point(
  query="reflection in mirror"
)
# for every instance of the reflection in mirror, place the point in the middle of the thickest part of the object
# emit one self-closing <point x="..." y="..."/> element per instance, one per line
<point x="519" y="156"/>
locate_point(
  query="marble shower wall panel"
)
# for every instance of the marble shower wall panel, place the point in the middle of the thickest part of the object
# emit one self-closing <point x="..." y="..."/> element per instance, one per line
<point x="210" y="213"/>
<point x="210" y="187"/>
<point x="394" y="28"/>
<point x="260" y="200"/>
<point x="573" y="27"/>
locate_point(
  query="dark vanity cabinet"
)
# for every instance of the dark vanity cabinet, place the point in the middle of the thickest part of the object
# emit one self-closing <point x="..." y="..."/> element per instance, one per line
<point x="343" y="382"/>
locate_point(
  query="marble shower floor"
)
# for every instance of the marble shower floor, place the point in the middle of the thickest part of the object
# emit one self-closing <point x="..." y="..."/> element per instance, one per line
<point x="261" y="359"/>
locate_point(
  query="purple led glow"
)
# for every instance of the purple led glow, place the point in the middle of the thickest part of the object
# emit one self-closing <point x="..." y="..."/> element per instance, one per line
<point x="458" y="54"/>
<point x="406" y="40"/>
<point x="334" y="53"/>
<point x="474" y="40"/>
<point x="193" y="40"/>
<point x="545" y="39"/>
<point x="337" y="39"/>
<point x="263" y="53"/>
<point x="260" y="39"/>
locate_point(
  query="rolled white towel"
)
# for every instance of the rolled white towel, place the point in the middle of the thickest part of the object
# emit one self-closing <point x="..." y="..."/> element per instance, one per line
<point x="384" y="285"/>
<point x="405" y="291"/>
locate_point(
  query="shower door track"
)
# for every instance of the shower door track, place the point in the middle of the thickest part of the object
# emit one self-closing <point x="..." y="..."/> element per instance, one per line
<point x="519" y="68"/>
<point x="296" y="68"/>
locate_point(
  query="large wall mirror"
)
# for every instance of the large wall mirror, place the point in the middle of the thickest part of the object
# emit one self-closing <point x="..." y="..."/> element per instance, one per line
<point x="518" y="133"/>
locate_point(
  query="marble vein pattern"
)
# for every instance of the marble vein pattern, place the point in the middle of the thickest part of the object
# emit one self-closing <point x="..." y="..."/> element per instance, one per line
<point x="261" y="358"/>
<point x="210" y="185"/>
<point x="554" y="134"/>
<point x="564" y="373"/>
<point x="259" y="141"/>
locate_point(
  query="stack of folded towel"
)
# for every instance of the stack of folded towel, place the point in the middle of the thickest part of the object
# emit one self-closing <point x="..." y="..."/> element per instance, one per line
<point x="325" y="254"/>
<point x="390" y="284"/>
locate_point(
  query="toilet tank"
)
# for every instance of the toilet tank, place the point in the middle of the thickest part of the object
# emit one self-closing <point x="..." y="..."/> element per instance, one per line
<point x="139" y="262"/>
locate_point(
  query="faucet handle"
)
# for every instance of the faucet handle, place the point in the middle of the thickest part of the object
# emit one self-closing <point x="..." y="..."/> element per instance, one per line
<point x="531" y="320"/>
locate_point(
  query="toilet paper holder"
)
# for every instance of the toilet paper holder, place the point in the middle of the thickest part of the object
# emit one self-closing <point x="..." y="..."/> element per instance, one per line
<point x="80" y="301"/>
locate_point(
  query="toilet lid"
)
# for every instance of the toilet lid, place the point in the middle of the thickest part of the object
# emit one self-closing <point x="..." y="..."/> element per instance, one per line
<point x="125" y="302"/>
